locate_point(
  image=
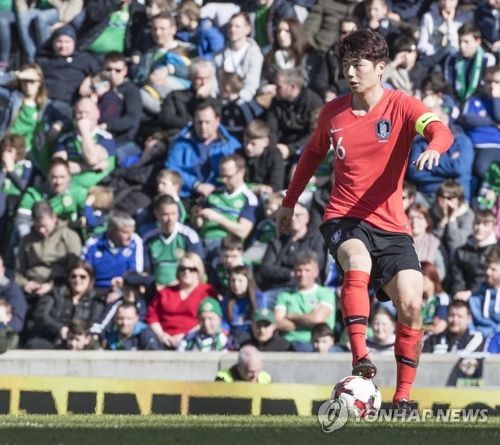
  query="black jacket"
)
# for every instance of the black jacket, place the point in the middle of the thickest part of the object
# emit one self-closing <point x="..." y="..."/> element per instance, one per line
<point x="267" y="169"/>
<point x="276" y="344"/>
<point x="97" y="14"/>
<point x="279" y="259"/>
<point x="468" y="267"/>
<point x="444" y="342"/>
<point x="13" y="294"/>
<point x="292" y="123"/>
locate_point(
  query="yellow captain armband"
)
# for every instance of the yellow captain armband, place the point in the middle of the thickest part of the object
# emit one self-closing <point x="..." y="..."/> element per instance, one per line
<point x="423" y="121"/>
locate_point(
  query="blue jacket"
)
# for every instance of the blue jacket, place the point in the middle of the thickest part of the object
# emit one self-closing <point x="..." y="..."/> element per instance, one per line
<point x="207" y="39"/>
<point x="186" y="157"/>
<point x="143" y="339"/>
<point x="485" y="311"/>
<point x="109" y="261"/>
<point x="455" y="164"/>
<point x="480" y="119"/>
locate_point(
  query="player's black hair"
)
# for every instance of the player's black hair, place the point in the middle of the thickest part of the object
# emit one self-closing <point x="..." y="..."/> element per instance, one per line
<point x="364" y="44"/>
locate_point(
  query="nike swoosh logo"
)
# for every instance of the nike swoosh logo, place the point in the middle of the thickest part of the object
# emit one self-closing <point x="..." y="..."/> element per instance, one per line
<point x="407" y="361"/>
<point x="426" y="119"/>
<point x="352" y="320"/>
<point x="335" y="130"/>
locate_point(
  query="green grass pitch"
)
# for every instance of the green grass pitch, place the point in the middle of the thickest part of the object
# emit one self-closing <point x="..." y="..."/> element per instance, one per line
<point x="233" y="430"/>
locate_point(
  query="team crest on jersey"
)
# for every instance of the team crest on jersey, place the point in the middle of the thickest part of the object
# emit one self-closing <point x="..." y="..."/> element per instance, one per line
<point x="383" y="128"/>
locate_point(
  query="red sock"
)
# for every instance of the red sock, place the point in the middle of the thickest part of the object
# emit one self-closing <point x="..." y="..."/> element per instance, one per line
<point x="407" y="351"/>
<point x="355" y="310"/>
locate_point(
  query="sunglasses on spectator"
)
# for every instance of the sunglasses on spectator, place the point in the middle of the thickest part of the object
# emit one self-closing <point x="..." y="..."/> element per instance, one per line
<point x="187" y="268"/>
<point x="116" y="70"/>
<point x="80" y="276"/>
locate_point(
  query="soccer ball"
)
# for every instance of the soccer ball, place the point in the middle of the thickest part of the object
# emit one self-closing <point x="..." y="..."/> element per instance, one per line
<point x="360" y="395"/>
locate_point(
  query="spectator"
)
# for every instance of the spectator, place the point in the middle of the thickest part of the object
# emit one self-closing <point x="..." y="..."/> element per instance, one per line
<point x="89" y="150"/>
<point x="210" y="336"/>
<point x="240" y="302"/>
<point x="298" y="310"/>
<point x="230" y="210"/>
<point x="111" y="26"/>
<point x="247" y="369"/>
<point x="384" y="332"/>
<point x="169" y="182"/>
<point x="177" y="109"/>
<point x="427" y="245"/>
<point x="481" y="119"/>
<point x="404" y="72"/>
<point x="438" y="35"/>
<point x="435" y="300"/>
<point x="378" y="19"/>
<point x="124" y="128"/>
<point x="165" y="66"/>
<point x="291" y="115"/>
<point x="196" y="153"/>
<point x="322" y="339"/>
<point x="129" y="333"/>
<point x="8" y="337"/>
<point x="107" y="100"/>
<point x="79" y="337"/>
<point x="199" y="32"/>
<point x="457" y="336"/>
<point x="30" y="114"/>
<point x="453" y="218"/>
<point x="265" y="171"/>
<point x="409" y="194"/>
<point x="264" y="333"/>
<point x="241" y="55"/>
<point x="46" y="252"/>
<point x="236" y="113"/>
<point x="455" y="164"/>
<point x="153" y="8"/>
<point x="486" y="19"/>
<point x="465" y="70"/>
<point x="96" y="210"/>
<point x="265" y="16"/>
<point x="65" y="198"/>
<point x="65" y="68"/>
<point x="55" y="312"/>
<point x="329" y="81"/>
<point x="168" y="243"/>
<point x="436" y="92"/>
<point x="468" y="267"/>
<point x="114" y="252"/>
<point x="7" y="19"/>
<point x="289" y="50"/>
<point x="12" y="294"/>
<point x="43" y="17"/>
<point x="173" y="312"/>
<point x="485" y="304"/>
<point x="277" y="269"/>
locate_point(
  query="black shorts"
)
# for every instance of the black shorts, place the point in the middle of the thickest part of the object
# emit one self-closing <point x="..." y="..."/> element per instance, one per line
<point x="390" y="252"/>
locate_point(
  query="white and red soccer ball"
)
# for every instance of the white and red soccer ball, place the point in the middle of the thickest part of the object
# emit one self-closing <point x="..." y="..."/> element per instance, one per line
<point x="359" y="394"/>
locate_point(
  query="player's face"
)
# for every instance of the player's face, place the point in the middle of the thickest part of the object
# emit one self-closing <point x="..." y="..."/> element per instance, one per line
<point x="493" y="274"/>
<point x="167" y="216"/>
<point x="468" y="45"/>
<point x="126" y="319"/>
<point x="362" y="74"/>
<point x="209" y="322"/>
<point x="59" y="179"/>
<point x="305" y="275"/>
<point x="458" y="320"/>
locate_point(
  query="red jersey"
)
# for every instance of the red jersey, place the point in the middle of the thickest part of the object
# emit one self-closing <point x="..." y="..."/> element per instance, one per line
<point x="177" y="316"/>
<point x="370" y="159"/>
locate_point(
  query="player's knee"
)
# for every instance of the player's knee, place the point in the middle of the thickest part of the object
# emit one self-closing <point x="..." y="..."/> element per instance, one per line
<point x="410" y="308"/>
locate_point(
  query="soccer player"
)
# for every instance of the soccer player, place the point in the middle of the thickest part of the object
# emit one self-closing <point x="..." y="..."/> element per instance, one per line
<point x="364" y="224"/>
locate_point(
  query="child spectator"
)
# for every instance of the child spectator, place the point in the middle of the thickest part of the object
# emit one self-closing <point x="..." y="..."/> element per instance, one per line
<point x="8" y="337"/>
<point x="108" y="102"/>
<point x="435" y="91"/>
<point x="210" y="336"/>
<point x="377" y="19"/>
<point x="129" y="333"/>
<point x="236" y="113"/>
<point x="265" y="170"/>
<point x="465" y="70"/>
<point x="169" y="182"/>
<point x="79" y="337"/>
<point x="240" y="302"/>
<point x="323" y="340"/>
<point x="435" y="300"/>
<point x="97" y="206"/>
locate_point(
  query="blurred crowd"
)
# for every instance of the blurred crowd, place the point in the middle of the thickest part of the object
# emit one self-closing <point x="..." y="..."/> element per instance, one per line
<point x="145" y="147"/>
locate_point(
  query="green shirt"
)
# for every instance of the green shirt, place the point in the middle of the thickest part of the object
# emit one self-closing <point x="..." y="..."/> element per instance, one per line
<point x="65" y="205"/>
<point x="9" y="187"/>
<point x="112" y="38"/>
<point x="6" y="5"/>
<point x="303" y="302"/>
<point x="261" y="15"/>
<point x="25" y="123"/>
<point x="43" y="4"/>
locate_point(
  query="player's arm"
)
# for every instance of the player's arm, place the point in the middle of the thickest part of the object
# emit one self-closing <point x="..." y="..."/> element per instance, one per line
<point x="437" y="135"/>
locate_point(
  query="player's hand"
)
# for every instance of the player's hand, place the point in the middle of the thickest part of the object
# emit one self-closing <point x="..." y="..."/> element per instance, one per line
<point x="283" y="221"/>
<point x="429" y="157"/>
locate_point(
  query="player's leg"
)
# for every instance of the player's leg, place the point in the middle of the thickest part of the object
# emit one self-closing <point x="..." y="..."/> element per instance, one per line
<point x="355" y="261"/>
<point x="405" y="290"/>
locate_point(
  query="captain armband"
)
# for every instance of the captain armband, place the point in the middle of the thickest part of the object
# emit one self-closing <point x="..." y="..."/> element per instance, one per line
<point x="425" y="120"/>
